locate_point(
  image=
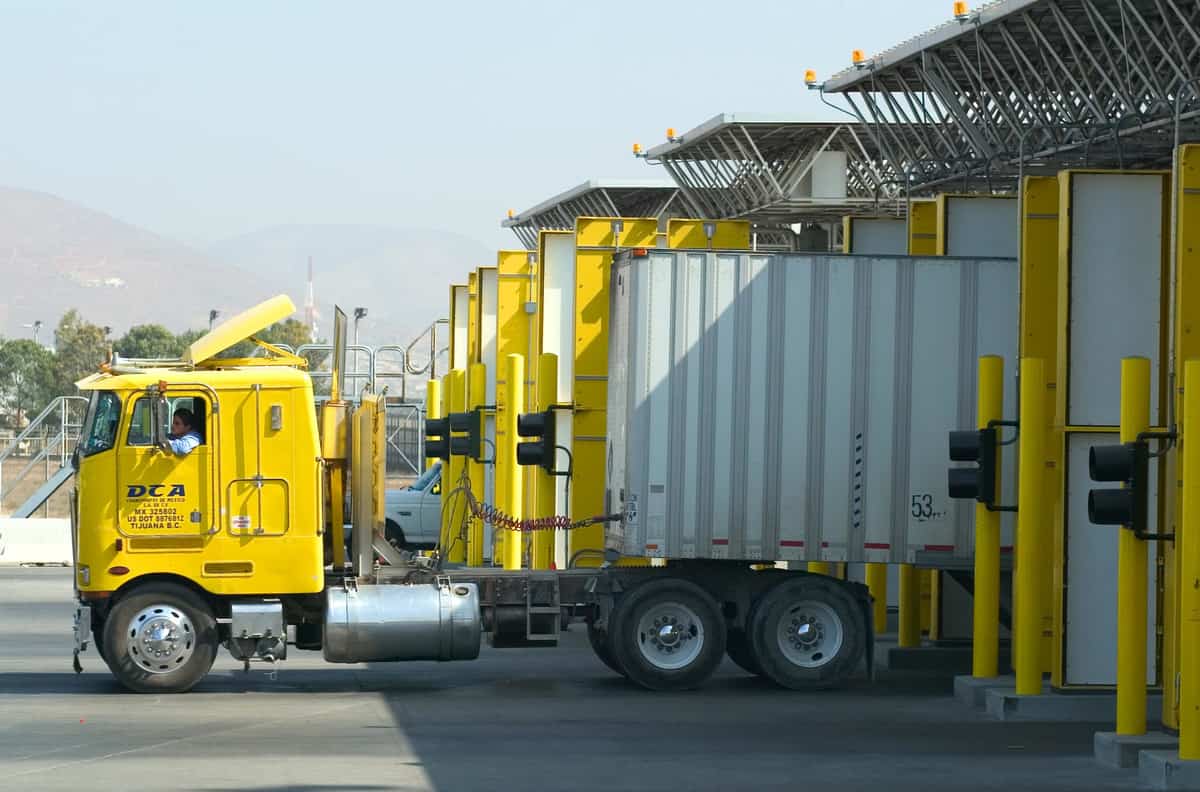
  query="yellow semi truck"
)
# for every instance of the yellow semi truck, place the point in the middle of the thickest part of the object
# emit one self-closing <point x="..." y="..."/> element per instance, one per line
<point x="239" y="543"/>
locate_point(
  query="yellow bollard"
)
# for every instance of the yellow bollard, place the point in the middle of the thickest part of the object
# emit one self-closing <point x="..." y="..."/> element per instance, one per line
<point x="1131" y="566"/>
<point x="877" y="585"/>
<point x="476" y="397"/>
<point x="910" y="607"/>
<point x="935" y="604"/>
<point x="433" y="409"/>
<point x="985" y="654"/>
<point x="1188" y="549"/>
<point x="511" y="501"/>
<point x="546" y="484"/>
<point x="454" y="505"/>
<point x="1031" y="533"/>
<point x="926" y="601"/>
<point x="818" y="567"/>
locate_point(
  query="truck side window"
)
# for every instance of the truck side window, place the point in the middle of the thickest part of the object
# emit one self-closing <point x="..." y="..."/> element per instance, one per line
<point x="141" y="426"/>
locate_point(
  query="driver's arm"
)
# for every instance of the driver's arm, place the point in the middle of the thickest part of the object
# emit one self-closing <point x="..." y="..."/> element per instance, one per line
<point x="181" y="446"/>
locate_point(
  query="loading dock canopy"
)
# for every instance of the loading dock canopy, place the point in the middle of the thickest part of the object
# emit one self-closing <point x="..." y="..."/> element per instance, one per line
<point x="1067" y="83"/>
<point x="778" y="170"/>
<point x="598" y="198"/>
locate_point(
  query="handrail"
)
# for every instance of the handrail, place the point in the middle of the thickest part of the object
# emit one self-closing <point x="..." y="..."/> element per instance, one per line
<point x="41" y="455"/>
<point x="430" y="331"/>
<point x="59" y="401"/>
<point x="58" y="441"/>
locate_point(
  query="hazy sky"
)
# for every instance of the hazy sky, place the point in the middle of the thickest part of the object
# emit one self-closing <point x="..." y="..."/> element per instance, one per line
<point x="203" y="120"/>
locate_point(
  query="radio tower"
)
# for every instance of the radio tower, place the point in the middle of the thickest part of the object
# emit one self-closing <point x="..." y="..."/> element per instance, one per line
<point x="310" y="306"/>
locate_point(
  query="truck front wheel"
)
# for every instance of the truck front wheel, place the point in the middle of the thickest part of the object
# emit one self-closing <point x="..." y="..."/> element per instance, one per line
<point x="668" y="635"/>
<point x="161" y="638"/>
<point x="807" y="633"/>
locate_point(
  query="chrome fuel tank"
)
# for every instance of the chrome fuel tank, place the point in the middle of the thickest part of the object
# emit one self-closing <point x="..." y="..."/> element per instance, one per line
<point x="371" y="623"/>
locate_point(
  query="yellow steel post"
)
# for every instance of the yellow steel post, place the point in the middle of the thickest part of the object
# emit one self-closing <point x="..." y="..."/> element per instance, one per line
<point x="1029" y="590"/>
<point x="447" y="486"/>
<point x="433" y="409"/>
<point x="545" y="486"/>
<point x="513" y="500"/>
<point x="1039" y="339"/>
<point x="877" y="585"/>
<point x="935" y="604"/>
<point x="1131" y="566"/>
<point x="476" y="397"/>
<point x="818" y="567"/>
<point x="1188" y="549"/>
<point x="926" y="599"/>
<point x="910" y="607"/>
<point x="985" y="659"/>
<point x="596" y="240"/>
<point x="455" y="508"/>
<point x="337" y="516"/>
<point x="1186" y="348"/>
<point x="922" y="228"/>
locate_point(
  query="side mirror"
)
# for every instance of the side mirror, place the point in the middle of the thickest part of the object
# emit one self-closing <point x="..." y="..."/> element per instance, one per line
<point x="162" y="420"/>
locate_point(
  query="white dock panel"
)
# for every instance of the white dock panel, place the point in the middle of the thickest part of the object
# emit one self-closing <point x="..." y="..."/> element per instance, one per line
<point x="1091" y="577"/>
<point x="878" y="236"/>
<point x="1115" y="296"/>
<point x="982" y="226"/>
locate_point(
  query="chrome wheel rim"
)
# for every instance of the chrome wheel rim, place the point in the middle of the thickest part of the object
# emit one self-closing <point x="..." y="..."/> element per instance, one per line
<point x="810" y="634"/>
<point x="161" y="639"/>
<point x="670" y="636"/>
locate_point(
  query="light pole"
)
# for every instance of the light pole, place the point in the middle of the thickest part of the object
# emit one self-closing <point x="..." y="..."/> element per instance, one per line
<point x="212" y="317"/>
<point x="359" y="313"/>
<point x="36" y="325"/>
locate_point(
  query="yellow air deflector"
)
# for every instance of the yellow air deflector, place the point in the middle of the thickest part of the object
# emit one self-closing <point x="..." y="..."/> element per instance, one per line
<point x="239" y="328"/>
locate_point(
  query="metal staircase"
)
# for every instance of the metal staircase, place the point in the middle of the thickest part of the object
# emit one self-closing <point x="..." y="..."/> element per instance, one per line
<point x="47" y="443"/>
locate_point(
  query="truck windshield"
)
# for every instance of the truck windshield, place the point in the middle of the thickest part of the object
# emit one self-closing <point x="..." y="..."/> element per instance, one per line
<point x="427" y="478"/>
<point x="100" y="426"/>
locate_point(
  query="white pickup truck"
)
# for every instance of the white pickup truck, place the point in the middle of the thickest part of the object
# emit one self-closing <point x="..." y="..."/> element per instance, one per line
<point x="414" y="514"/>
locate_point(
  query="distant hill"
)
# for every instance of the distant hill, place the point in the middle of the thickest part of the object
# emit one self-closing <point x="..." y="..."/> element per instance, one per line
<point x="400" y="275"/>
<point x="56" y="255"/>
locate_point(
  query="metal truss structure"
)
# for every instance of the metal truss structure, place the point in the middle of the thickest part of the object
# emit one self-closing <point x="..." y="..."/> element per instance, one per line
<point x="758" y="167"/>
<point x="1067" y="83"/>
<point x="599" y="198"/>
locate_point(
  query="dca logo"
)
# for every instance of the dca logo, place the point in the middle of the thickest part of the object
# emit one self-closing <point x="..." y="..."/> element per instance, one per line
<point x="154" y="491"/>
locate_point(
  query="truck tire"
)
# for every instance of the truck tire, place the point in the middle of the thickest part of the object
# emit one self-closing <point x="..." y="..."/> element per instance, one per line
<point x="668" y="635"/>
<point x="807" y="633"/>
<point x="160" y="638"/>
<point x="603" y="648"/>
<point x="741" y="652"/>
<point x="393" y="533"/>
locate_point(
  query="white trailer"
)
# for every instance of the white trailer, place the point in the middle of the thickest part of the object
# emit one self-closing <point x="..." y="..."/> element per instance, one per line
<point x="796" y="407"/>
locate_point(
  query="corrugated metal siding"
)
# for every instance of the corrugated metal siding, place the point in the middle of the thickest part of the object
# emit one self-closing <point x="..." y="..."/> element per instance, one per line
<point x="793" y="406"/>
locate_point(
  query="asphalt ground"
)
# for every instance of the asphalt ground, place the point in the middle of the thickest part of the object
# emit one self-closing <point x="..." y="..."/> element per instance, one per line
<point x="548" y="719"/>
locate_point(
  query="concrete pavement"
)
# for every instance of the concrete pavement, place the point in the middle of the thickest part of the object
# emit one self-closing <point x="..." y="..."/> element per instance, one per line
<point x="515" y="719"/>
